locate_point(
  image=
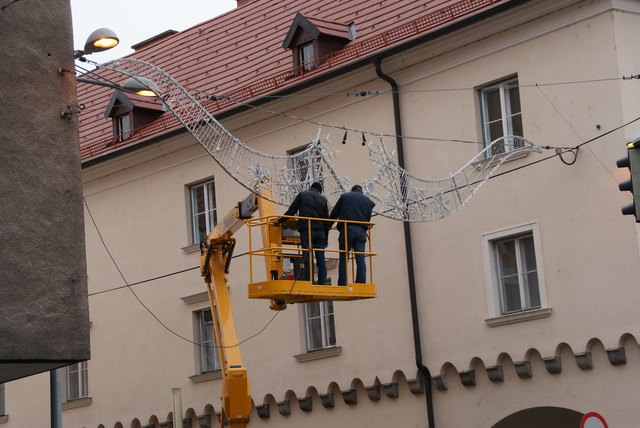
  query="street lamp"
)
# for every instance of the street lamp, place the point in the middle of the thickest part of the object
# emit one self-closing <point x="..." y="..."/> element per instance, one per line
<point x="141" y="86"/>
<point x="98" y="41"/>
<point x="133" y="85"/>
<point x="101" y="40"/>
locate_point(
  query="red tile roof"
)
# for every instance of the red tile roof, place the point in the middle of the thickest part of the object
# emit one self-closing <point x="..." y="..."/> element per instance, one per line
<point x="239" y="54"/>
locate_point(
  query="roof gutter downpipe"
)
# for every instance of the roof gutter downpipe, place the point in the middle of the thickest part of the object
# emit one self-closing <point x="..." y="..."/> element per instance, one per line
<point x="408" y="248"/>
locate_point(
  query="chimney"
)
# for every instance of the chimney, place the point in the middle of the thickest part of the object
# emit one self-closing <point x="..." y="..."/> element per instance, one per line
<point x="242" y="3"/>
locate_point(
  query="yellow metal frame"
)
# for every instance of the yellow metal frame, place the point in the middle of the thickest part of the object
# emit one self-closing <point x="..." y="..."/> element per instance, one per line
<point x="276" y="247"/>
<point x="216" y="253"/>
<point x="236" y="394"/>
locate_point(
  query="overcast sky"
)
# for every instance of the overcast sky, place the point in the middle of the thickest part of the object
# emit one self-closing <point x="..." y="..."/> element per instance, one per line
<point x="137" y="20"/>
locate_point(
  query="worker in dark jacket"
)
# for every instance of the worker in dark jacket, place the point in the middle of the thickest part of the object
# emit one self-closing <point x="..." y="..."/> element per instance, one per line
<point x="355" y="206"/>
<point x="311" y="203"/>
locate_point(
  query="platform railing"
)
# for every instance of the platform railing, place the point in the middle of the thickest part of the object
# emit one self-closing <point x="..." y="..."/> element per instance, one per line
<point x="280" y="245"/>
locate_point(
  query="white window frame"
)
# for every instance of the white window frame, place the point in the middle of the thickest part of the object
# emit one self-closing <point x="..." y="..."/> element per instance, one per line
<point x="307" y="56"/>
<point x="123" y="126"/>
<point x="206" y="346"/>
<point x="304" y="171"/>
<point x="210" y="209"/>
<point x="492" y="280"/>
<point x="327" y="325"/>
<point x="506" y="113"/>
<point x="81" y="382"/>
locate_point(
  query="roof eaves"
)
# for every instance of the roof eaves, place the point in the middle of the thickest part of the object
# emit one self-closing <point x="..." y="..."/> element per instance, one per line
<point x="153" y="39"/>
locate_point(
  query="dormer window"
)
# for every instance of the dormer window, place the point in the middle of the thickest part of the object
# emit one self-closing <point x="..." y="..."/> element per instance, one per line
<point x="122" y="126"/>
<point x="307" y="57"/>
<point x="312" y="39"/>
<point x="129" y="112"/>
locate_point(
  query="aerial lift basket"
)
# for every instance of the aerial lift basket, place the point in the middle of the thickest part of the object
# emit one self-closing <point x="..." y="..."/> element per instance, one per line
<point x="285" y="260"/>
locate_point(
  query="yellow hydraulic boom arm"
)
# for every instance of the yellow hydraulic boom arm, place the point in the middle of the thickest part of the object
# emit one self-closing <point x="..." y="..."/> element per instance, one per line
<point x="216" y="252"/>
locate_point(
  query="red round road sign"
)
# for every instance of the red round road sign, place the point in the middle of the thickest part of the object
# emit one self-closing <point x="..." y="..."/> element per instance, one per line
<point x="593" y="420"/>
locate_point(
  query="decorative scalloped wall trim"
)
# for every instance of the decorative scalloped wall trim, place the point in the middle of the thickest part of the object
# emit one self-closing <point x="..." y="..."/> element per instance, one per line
<point x="377" y="390"/>
<point x="553" y="364"/>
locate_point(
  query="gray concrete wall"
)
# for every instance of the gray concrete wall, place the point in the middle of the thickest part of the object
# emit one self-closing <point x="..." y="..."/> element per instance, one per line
<point x="44" y="318"/>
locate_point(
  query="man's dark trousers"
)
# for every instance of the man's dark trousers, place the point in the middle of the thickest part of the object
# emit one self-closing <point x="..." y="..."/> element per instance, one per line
<point x="318" y="240"/>
<point x="356" y="240"/>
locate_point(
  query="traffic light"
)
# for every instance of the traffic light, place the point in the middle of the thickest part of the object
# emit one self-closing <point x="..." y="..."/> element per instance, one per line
<point x="632" y="161"/>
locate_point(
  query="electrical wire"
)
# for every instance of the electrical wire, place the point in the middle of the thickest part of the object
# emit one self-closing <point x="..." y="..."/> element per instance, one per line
<point x="238" y="101"/>
<point x="597" y="137"/>
<point x="129" y="286"/>
<point x="326" y="125"/>
<point x="143" y="281"/>
<point x="565" y="149"/>
<point x="125" y="280"/>
<point x="363" y="93"/>
<point x="96" y="76"/>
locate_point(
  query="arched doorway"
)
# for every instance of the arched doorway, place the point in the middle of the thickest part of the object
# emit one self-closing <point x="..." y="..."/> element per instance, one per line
<point x="536" y="417"/>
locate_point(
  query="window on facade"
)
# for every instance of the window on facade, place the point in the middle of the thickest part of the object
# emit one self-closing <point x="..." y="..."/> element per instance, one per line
<point x="209" y="359"/>
<point x="77" y="381"/>
<point x="517" y="274"/>
<point x="203" y="209"/>
<point x="123" y="127"/>
<point x="2" y="409"/>
<point x="514" y="274"/>
<point x="305" y="168"/>
<point x="501" y="115"/>
<point x="320" y="329"/>
<point x="306" y="56"/>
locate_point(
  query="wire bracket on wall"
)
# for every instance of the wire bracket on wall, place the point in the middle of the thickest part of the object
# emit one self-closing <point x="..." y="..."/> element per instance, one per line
<point x="71" y="110"/>
<point x="573" y="151"/>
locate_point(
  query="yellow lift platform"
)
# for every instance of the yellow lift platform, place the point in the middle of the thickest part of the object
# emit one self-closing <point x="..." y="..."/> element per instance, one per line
<point x="281" y="244"/>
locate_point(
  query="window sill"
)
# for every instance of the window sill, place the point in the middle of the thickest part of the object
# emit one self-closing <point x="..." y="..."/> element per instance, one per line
<point x="191" y="248"/>
<point x="492" y="161"/>
<point x="527" y="315"/>
<point x="216" y="374"/>
<point x="80" y="402"/>
<point x="4" y="419"/>
<point x="321" y="353"/>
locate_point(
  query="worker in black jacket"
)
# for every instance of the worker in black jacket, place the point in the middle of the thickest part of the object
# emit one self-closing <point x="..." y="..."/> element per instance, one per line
<point x="311" y="203"/>
<point x="355" y="206"/>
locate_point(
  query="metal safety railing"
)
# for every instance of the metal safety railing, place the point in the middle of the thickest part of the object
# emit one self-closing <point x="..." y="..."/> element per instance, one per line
<point x="283" y="241"/>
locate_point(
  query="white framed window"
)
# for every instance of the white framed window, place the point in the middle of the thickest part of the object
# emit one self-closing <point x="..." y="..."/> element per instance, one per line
<point x="306" y="56"/>
<point x="514" y="274"/>
<point x="208" y="354"/>
<point x="320" y="329"/>
<point x="123" y="126"/>
<point x="501" y="114"/>
<point x="203" y="209"/>
<point x="76" y="381"/>
<point x="305" y="168"/>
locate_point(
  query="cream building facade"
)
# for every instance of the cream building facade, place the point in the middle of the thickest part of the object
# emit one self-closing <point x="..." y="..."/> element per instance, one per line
<point x="544" y="349"/>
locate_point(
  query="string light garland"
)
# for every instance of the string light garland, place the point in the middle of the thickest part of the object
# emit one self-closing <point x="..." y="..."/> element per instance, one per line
<point x="399" y="194"/>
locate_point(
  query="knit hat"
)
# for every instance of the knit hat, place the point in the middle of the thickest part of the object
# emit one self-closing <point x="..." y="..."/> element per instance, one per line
<point x="317" y="186"/>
